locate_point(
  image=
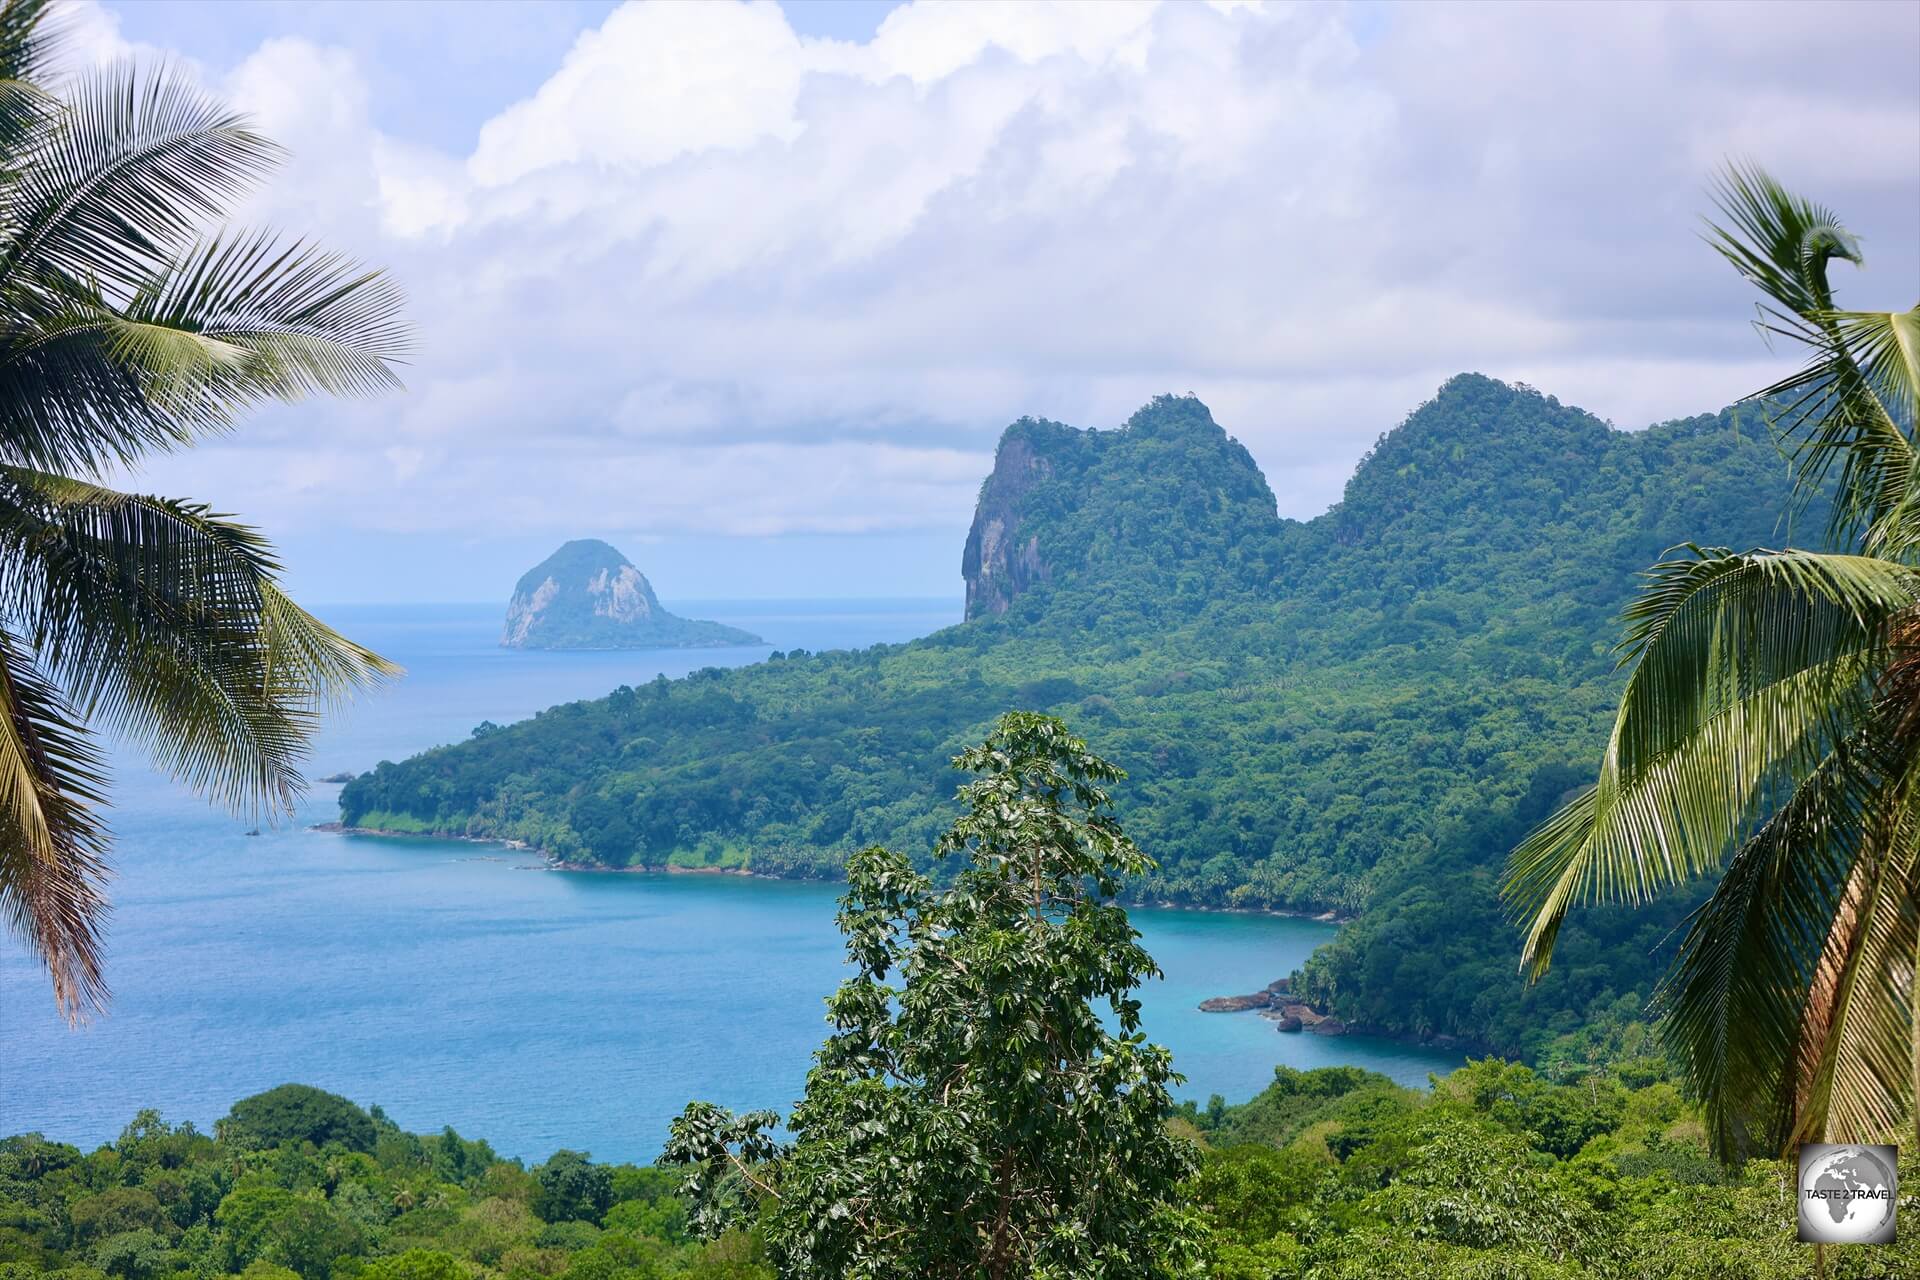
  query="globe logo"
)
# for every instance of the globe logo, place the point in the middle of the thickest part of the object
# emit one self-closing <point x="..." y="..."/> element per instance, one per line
<point x="1848" y="1194"/>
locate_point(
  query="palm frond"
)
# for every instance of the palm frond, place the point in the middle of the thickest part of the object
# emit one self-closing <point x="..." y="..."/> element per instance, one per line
<point x="223" y="326"/>
<point x="52" y="846"/>
<point x="80" y="394"/>
<point x="1883" y="467"/>
<point x="1746" y="669"/>
<point x="1886" y="348"/>
<point x="1734" y="1003"/>
<point x="123" y="176"/>
<point x="165" y="621"/>
<point x="306" y="320"/>
<point x="127" y="330"/>
<point x="1851" y="1077"/>
<point x="1847" y="405"/>
<point x="1779" y="241"/>
<point x="30" y="37"/>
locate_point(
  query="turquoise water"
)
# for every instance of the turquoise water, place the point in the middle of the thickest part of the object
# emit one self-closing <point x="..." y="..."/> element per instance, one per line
<point x="459" y="984"/>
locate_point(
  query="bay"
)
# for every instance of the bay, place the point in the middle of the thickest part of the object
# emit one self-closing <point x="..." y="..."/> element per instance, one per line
<point x="460" y="984"/>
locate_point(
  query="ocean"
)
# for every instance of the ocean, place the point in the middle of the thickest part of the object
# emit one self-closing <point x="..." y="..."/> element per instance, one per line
<point x="461" y="984"/>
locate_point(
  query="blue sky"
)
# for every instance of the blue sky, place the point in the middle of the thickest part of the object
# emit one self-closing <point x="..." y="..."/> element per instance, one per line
<point x="750" y="290"/>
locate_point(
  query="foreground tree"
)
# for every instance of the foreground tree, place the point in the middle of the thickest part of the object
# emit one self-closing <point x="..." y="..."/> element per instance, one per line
<point x="1772" y="713"/>
<point x="126" y="329"/>
<point x="972" y="1115"/>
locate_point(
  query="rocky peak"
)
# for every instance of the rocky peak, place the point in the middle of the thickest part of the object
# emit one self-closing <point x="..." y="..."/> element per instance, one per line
<point x="1002" y="560"/>
<point x="587" y="595"/>
<point x="1164" y="499"/>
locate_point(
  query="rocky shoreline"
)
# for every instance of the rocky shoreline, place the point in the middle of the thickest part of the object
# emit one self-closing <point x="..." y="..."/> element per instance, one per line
<point x="1276" y="1002"/>
<point x="1167" y="904"/>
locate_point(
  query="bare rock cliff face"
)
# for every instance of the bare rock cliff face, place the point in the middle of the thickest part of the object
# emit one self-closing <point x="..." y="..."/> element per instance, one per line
<point x="622" y="594"/>
<point x="525" y="610"/>
<point x="998" y="563"/>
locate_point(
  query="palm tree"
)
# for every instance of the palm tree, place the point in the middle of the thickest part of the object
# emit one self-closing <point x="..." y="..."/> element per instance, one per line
<point x="126" y="327"/>
<point x="1770" y="733"/>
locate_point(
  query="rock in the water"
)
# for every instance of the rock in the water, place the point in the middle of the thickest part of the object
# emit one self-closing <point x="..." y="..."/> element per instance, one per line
<point x="1236" y="1004"/>
<point x="1267" y="998"/>
<point x="587" y="595"/>
<point x="1290" y="1023"/>
<point x="1329" y="1027"/>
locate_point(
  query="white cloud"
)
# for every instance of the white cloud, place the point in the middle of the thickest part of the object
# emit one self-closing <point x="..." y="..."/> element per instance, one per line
<point x="654" y="82"/>
<point x="716" y="277"/>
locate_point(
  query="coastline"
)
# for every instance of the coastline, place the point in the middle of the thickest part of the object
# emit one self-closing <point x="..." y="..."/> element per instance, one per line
<point x="552" y="863"/>
<point x="547" y="861"/>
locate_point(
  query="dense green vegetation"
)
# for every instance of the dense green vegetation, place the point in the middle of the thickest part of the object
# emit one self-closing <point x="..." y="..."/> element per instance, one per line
<point x="984" y="1105"/>
<point x="297" y="1184"/>
<point x="1500" y="1173"/>
<point x="1434" y="954"/>
<point x="1310" y="713"/>
<point x="1597" y="1173"/>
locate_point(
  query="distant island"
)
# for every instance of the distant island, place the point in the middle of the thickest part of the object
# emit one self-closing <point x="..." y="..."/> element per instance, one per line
<point x="587" y="595"/>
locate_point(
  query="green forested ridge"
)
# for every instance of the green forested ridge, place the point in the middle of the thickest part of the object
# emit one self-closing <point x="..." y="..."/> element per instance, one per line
<point x="1314" y="715"/>
<point x="1335" y="1174"/>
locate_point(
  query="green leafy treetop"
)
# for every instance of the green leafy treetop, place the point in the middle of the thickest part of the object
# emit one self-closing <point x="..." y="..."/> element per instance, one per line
<point x="302" y="1113"/>
<point x="972" y="1114"/>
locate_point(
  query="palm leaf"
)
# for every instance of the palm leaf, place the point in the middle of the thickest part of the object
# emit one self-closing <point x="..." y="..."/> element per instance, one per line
<point x="1745" y="670"/>
<point x="165" y="621"/>
<point x="124" y="175"/>
<point x="1852" y="1072"/>
<point x="1885" y="347"/>
<point x="1780" y="242"/>
<point x="225" y="325"/>
<point x="125" y="329"/>
<point x="52" y="847"/>
<point x="1847" y="404"/>
<point x="303" y="320"/>
<point x="1734" y="1004"/>
<point x="28" y="43"/>
<point x="28" y="39"/>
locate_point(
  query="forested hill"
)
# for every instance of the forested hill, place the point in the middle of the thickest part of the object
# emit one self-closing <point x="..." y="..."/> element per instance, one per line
<point x="1168" y="512"/>
<point x="1304" y="708"/>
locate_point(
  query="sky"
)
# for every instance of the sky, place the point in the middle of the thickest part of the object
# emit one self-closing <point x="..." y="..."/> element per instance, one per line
<point x="751" y="289"/>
